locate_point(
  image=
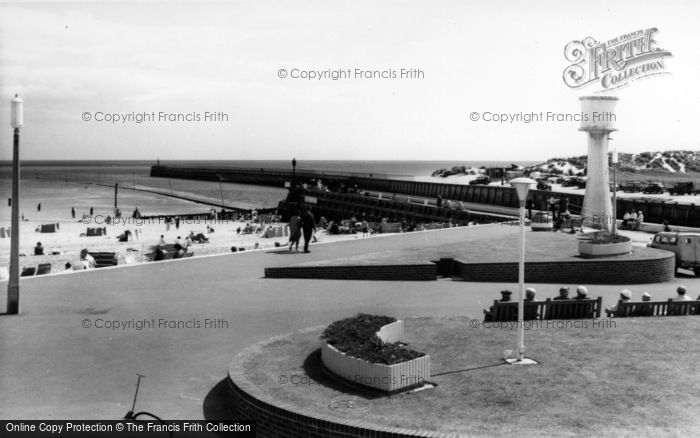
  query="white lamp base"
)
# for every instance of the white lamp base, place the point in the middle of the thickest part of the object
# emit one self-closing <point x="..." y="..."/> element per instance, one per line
<point x="525" y="361"/>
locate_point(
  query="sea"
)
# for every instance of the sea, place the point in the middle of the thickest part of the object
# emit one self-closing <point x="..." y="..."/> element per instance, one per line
<point x="136" y="174"/>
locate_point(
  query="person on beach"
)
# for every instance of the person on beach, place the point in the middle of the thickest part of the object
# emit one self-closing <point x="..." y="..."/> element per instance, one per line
<point x="308" y="225"/>
<point x="72" y="212"/>
<point x="199" y="238"/>
<point x="91" y="211"/>
<point x="125" y="236"/>
<point x="136" y="214"/>
<point x="38" y="207"/>
<point x="38" y="249"/>
<point x="294" y="230"/>
<point x="179" y="249"/>
<point x="78" y="266"/>
<point x="161" y="241"/>
<point x="365" y="227"/>
<point x="87" y="259"/>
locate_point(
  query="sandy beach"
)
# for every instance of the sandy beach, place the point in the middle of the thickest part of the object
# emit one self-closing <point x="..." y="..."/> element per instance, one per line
<point x="65" y="244"/>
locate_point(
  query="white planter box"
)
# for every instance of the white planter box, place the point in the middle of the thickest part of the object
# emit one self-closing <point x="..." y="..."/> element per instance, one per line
<point x="391" y="333"/>
<point x="587" y="249"/>
<point x="379" y="376"/>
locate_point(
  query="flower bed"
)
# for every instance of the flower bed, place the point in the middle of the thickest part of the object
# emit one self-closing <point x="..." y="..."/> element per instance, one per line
<point x="368" y="350"/>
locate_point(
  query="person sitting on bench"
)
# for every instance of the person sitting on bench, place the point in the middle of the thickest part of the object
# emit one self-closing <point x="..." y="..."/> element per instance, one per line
<point x="563" y="294"/>
<point x="38" y="249"/>
<point x="87" y="258"/>
<point x="626" y="296"/>
<point x="626" y="219"/>
<point x="581" y="293"/>
<point x="638" y="221"/>
<point x="505" y="297"/>
<point x="530" y="311"/>
<point x="681" y="294"/>
<point x="642" y="308"/>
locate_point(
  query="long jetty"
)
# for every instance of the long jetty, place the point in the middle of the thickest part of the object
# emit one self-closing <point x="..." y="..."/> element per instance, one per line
<point x="678" y="214"/>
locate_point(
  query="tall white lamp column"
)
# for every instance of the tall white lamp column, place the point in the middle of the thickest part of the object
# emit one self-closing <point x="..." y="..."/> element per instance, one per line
<point x="522" y="186"/>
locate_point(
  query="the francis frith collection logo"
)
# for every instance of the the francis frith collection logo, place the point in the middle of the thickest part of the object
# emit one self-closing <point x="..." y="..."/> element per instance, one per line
<point x="616" y="62"/>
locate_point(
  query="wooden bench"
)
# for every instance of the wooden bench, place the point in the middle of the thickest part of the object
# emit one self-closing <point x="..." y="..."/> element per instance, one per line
<point x="655" y="308"/>
<point x="508" y="310"/>
<point x="103" y="259"/>
<point x="150" y="254"/>
<point x="548" y="309"/>
<point x="574" y="309"/>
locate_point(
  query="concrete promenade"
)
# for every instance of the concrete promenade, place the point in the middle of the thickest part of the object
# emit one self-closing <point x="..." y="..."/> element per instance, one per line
<point x="54" y="368"/>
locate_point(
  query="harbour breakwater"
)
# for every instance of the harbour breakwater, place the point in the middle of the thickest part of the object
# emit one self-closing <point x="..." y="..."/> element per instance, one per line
<point x="654" y="211"/>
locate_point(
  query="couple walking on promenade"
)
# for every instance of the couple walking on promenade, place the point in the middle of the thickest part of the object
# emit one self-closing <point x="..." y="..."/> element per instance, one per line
<point x="297" y="224"/>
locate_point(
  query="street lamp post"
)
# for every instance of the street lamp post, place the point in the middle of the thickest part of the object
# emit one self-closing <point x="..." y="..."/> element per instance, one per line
<point x="16" y="121"/>
<point x="522" y="186"/>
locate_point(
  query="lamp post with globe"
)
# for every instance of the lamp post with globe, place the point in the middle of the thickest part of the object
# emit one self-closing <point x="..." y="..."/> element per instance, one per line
<point x="522" y="187"/>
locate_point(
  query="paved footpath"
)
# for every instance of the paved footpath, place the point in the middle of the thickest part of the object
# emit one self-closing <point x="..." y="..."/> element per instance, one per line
<point x="54" y="368"/>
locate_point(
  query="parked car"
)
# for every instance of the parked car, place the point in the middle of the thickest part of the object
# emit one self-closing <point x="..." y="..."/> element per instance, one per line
<point x="480" y="180"/>
<point x="569" y="182"/>
<point x="655" y="187"/>
<point x="686" y="247"/>
<point x="682" y="188"/>
<point x="543" y="184"/>
<point x="632" y="186"/>
<point x="580" y="182"/>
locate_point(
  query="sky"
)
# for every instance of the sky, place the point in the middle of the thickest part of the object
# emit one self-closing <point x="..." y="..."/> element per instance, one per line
<point x="88" y="60"/>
